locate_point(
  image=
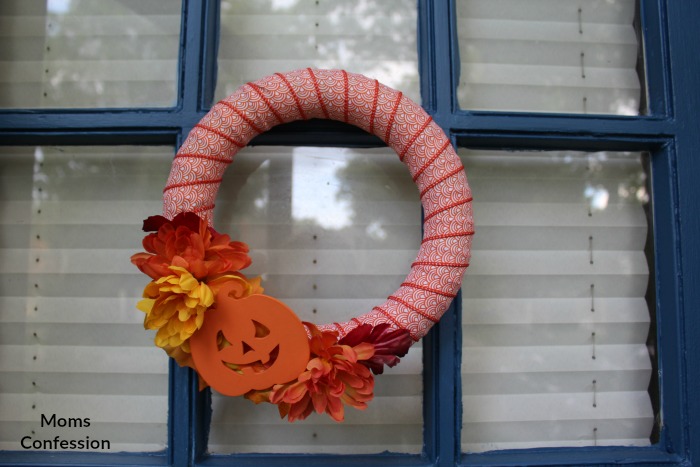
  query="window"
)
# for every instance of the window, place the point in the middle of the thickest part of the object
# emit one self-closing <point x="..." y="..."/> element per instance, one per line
<point x="548" y="56"/>
<point x="70" y="153"/>
<point x="60" y="53"/>
<point x="555" y="320"/>
<point x="70" y="338"/>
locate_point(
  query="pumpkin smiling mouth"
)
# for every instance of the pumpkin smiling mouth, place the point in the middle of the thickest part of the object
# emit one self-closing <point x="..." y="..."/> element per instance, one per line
<point x="257" y="366"/>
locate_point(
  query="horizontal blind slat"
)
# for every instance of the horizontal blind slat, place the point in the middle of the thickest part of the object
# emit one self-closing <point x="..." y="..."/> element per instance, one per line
<point x="88" y="334"/>
<point x="79" y="261"/>
<point x="557" y="214"/>
<point x="554" y="286"/>
<point x="82" y="359"/>
<point x="545" y="31"/>
<point x="304" y="7"/>
<point x="83" y="383"/>
<point x="571" y="310"/>
<point x="554" y="382"/>
<point x="77" y="212"/>
<point x="536" y="407"/>
<point x="554" y="77"/>
<point x="597" y="11"/>
<point x="98" y="408"/>
<point x="489" y="262"/>
<point x="317" y="24"/>
<point x="97" y="70"/>
<point x="570" y="238"/>
<point x="555" y="358"/>
<point x="554" y="334"/>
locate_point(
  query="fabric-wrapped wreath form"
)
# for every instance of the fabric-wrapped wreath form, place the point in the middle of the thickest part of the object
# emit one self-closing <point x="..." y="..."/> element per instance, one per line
<point x="337" y="359"/>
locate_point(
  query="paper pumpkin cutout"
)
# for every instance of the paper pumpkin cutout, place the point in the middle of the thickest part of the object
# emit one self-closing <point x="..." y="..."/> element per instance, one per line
<point x="249" y="343"/>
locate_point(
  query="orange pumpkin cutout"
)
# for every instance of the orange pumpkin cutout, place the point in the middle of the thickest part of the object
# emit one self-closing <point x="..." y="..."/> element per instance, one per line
<point x="249" y="343"/>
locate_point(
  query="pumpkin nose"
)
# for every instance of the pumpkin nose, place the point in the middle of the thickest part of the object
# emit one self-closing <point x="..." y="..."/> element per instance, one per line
<point x="246" y="347"/>
<point x="262" y="357"/>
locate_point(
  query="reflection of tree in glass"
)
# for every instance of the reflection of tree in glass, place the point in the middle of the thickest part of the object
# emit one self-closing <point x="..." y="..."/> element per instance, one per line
<point x="615" y="178"/>
<point x="374" y="38"/>
<point x="383" y="184"/>
<point x="111" y="52"/>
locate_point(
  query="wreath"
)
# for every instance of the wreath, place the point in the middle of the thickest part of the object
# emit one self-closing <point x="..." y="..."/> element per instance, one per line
<point x="211" y="317"/>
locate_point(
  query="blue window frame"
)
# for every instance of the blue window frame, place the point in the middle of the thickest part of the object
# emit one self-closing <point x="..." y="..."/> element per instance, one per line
<point x="669" y="133"/>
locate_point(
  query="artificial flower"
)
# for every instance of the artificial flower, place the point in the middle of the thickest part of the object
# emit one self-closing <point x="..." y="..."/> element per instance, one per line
<point x="333" y="377"/>
<point x="175" y="306"/>
<point x="389" y="344"/>
<point x="338" y="372"/>
<point x="189" y="243"/>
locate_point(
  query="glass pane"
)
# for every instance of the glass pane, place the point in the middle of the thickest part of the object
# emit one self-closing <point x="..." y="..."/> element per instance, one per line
<point x="332" y="232"/>
<point x="72" y="343"/>
<point x="88" y="53"/>
<point x="371" y="37"/>
<point x="550" y="56"/>
<point x="556" y="317"/>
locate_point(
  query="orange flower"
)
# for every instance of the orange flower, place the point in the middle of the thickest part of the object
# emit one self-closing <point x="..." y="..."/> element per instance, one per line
<point x="333" y="376"/>
<point x="175" y="306"/>
<point x="189" y="243"/>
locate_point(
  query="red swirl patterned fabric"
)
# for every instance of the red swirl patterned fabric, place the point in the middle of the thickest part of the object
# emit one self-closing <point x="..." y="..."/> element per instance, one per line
<point x="420" y="143"/>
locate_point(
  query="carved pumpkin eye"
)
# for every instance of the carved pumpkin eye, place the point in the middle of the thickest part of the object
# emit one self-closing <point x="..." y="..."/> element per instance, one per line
<point x="260" y="329"/>
<point x="249" y="343"/>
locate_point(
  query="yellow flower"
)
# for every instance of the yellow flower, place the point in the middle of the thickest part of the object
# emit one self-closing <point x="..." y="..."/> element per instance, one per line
<point x="166" y="297"/>
<point x="175" y="306"/>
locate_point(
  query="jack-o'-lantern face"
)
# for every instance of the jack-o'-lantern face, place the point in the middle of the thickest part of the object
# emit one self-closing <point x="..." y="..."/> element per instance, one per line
<point x="249" y="343"/>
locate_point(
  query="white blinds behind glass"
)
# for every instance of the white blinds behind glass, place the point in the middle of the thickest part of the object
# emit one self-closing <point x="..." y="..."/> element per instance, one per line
<point x="374" y="38"/>
<point x="71" y="341"/>
<point x="333" y="232"/>
<point x="555" y="321"/>
<point x="88" y="53"/>
<point x="549" y="56"/>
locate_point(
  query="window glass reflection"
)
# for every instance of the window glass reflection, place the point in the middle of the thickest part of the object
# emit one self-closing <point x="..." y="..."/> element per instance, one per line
<point x="550" y="56"/>
<point x="88" y="53"/>
<point x="72" y="342"/>
<point x="370" y="37"/>
<point x="557" y="310"/>
<point x="332" y="231"/>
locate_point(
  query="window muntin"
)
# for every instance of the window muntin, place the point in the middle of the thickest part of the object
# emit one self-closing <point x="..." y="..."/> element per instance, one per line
<point x="374" y="38"/>
<point x="71" y="341"/>
<point x="550" y="56"/>
<point x="332" y="231"/>
<point x="95" y="53"/>
<point x="555" y="319"/>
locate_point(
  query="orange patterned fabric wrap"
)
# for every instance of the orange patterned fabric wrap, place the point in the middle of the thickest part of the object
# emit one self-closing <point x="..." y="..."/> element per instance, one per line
<point x="443" y="257"/>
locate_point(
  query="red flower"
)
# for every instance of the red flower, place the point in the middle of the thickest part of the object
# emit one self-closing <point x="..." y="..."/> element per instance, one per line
<point x="189" y="243"/>
<point x="389" y="344"/>
<point x="333" y="376"/>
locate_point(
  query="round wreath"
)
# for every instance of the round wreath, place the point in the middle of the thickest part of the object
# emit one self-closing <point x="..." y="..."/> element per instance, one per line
<point x="190" y="263"/>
